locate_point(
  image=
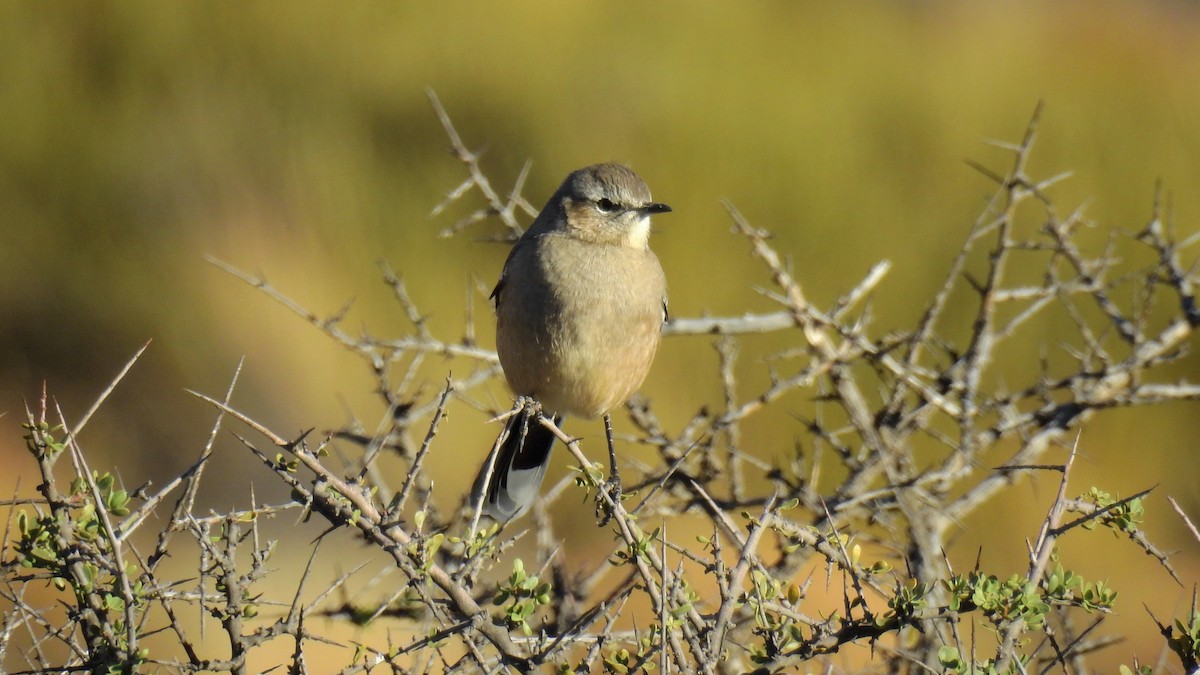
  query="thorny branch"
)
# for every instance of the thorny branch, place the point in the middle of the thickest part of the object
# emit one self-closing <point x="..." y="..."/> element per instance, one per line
<point x="908" y="434"/>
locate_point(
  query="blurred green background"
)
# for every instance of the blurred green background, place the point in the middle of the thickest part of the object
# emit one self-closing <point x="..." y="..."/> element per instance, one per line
<point x="295" y="140"/>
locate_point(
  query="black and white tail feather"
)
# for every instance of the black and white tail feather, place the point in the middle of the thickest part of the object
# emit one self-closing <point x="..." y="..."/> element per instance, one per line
<point x="518" y="468"/>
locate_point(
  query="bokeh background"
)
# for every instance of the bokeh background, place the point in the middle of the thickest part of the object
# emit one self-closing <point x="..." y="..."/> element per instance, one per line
<point x="295" y="140"/>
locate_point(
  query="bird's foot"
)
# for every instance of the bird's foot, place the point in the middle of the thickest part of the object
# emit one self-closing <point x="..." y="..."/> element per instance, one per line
<point x="608" y="497"/>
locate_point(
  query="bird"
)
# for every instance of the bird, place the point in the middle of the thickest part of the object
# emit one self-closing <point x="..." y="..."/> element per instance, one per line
<point x="580" y="307"/>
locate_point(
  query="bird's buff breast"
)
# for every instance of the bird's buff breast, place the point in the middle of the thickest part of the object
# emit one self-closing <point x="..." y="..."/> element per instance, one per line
<point x="579" y="332"/>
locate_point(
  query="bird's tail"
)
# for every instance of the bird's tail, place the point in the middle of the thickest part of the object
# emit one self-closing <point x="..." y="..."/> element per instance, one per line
<point x="518" y="469"/>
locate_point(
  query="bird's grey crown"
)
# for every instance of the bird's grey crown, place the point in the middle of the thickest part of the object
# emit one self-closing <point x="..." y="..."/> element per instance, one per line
<point x="615" y="182"/>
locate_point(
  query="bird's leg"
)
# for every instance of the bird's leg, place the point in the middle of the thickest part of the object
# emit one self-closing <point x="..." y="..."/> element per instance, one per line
<point x="528" y="410"/>
<point x="614" y="476"/>
<point x="611" y="487"/>
<point x="531" y="409"/>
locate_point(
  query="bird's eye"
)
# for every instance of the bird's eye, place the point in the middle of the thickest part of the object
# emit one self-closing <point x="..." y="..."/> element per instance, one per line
<point x="606" y="205"/>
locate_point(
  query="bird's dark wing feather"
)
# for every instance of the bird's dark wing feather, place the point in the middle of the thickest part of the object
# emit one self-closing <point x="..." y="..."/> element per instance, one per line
<point x="495" y="296"/>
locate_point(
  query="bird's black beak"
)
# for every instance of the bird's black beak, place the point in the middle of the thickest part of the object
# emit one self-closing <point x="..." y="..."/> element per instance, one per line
<point x="655" y="207"/>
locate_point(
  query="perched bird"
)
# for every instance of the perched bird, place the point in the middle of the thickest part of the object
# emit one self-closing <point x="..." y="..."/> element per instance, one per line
<point x="579" y="312"/>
